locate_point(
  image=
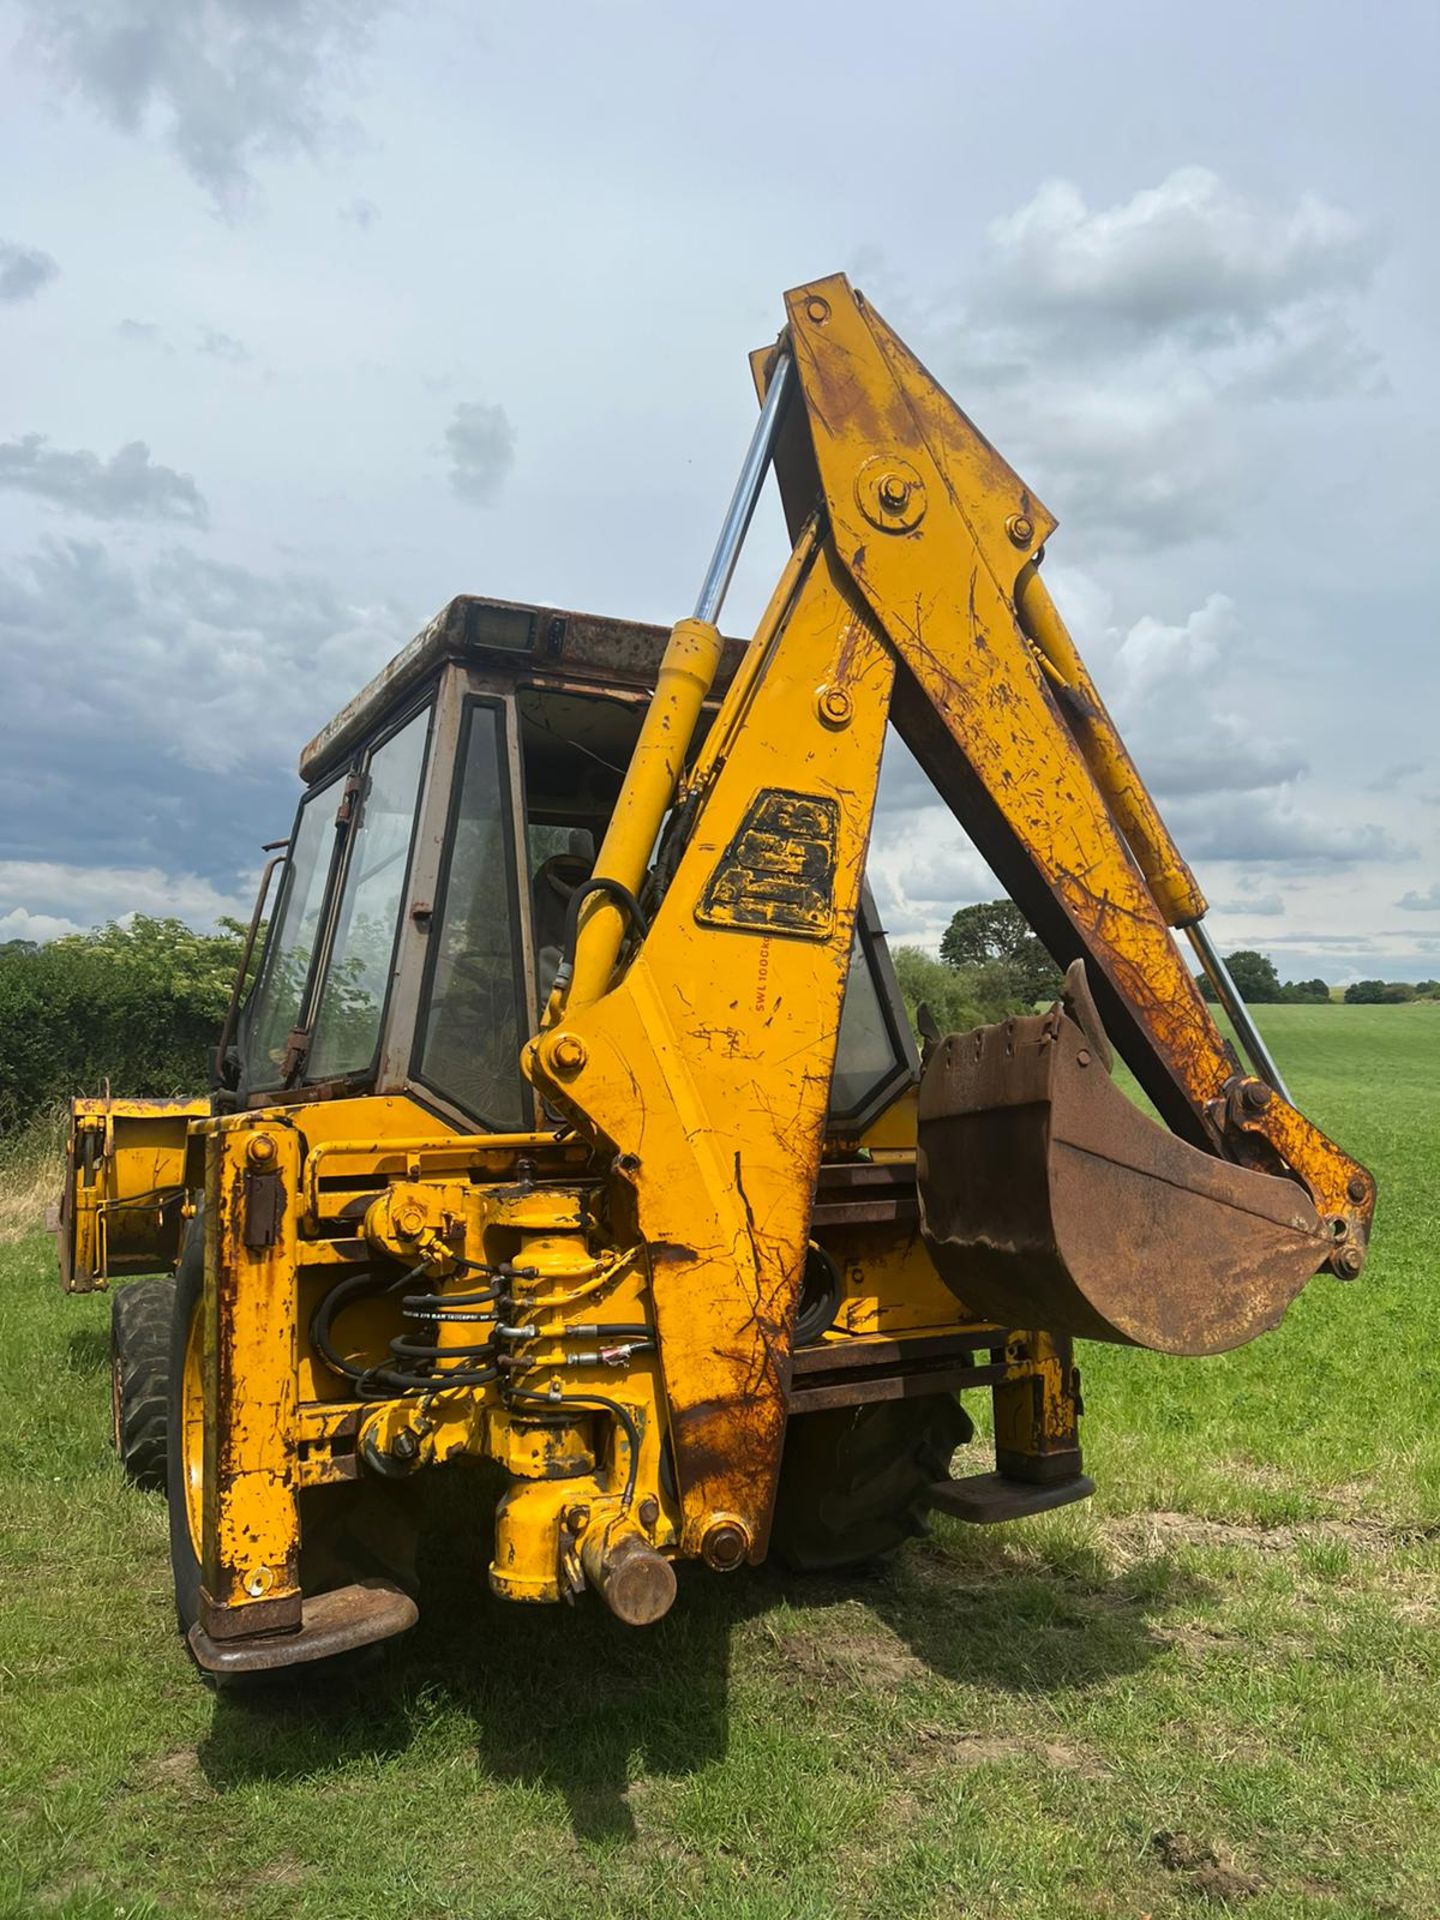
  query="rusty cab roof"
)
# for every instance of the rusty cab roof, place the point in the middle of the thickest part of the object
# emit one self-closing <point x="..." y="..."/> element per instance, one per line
<point x="534" y="644"/>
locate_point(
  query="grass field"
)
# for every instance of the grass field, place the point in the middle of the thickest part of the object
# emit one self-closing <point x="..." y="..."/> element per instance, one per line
<point x="1217" y="1688"/>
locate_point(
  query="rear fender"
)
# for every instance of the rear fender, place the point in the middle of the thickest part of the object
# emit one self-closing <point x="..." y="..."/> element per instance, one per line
<point x="120" y="1208"/>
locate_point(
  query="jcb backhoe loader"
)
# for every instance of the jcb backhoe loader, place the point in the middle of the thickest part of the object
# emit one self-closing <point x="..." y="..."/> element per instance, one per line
<point x="573" y="1124"/>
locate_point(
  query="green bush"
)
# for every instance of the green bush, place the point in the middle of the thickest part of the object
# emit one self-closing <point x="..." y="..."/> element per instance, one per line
<point x="139" y="1005"/>
<point x="958" y="997"/>
<point x="1307" y="990"/>
<point x="1259" y="984"/>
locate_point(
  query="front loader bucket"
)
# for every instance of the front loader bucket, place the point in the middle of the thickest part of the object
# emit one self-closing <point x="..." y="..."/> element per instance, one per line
<point x="1048" y="1200"/>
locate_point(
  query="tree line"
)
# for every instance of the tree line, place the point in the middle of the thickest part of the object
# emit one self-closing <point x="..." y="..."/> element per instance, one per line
<point x="991" y="965"/>
<point x="1259" y="984"/>
<point x="140" y="1004"/>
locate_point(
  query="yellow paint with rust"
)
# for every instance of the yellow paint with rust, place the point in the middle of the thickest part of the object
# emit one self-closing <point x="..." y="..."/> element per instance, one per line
<point x="941" y="574"/>
<point x="1037" y="1407"/>
<point x="707" y="1066"/>
<point x="693" y="1068"/>
<point x="704" y="1063"/>
<point x="250" y="1531"/>
<point x="890" y="1283"/>
<point x="122" y="1200"/>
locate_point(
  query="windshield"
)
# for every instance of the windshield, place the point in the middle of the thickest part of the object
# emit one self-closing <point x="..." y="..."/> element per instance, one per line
<point x="275" y="1011"/>
<point x="346" y="1028"/>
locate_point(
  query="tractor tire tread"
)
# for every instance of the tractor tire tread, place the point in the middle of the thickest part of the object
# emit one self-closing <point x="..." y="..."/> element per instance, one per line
<point x="140" y="1317"/>
<point x="854" y="1481"/>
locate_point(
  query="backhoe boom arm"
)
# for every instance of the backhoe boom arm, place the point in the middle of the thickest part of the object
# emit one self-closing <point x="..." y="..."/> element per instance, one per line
<point x="700" y="1053"/>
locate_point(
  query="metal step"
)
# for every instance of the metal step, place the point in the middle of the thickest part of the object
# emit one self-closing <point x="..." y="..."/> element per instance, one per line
<point x="987" y="1498"/>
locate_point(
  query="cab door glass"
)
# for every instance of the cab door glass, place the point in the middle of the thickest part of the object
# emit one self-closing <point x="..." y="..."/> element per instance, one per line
<point x="275" y="1011"/>
<point x="875" y="1057"/>
<point x="469" y="1046"/>
<point x="346" y="1031"/>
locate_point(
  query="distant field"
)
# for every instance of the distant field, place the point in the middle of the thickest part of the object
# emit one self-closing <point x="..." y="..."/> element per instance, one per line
<point x="1216" y="1689"/>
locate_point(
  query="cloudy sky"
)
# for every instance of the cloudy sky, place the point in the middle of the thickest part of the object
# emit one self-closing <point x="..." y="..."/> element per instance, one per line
<point x="317" y="312"/>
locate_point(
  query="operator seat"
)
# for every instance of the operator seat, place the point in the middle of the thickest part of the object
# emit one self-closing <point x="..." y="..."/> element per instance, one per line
<point x="552" y="888"/>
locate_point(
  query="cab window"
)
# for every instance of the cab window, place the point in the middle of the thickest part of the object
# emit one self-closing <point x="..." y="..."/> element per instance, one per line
<point x="346" y="1027"/>
<point x="275" y="1010"/>
<point x="474" y="1002"/>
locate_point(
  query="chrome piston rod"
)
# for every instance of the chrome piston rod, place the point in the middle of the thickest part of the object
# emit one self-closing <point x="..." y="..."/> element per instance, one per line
<point x="747" y="491"/>
<point x="1228" y="995"/>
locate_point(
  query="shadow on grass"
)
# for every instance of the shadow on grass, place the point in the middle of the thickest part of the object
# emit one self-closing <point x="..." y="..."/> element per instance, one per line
<point x="567" y="1698"/>
<point x="87" y="1351"/>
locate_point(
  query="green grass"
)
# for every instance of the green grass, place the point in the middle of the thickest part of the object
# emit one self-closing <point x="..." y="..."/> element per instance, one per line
<point x="1216" y="1689"/>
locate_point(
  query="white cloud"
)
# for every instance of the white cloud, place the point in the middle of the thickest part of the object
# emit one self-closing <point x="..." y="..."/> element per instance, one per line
<point x="1175" y="689"/>
<point x="178" y="689"/>
<point x="42" y="899"/>
<point x="127" y="486"/>
<point x="1189" y="259"/>
<point x="20" y="924"/>
<point x="1427" y="902"/>
<point x="223" y="346"/>
<point x="23" y="272"/>
<point x="1396" y="776"/>
<point x="143" y="333"/>
<point x="226" y="81"/>
<point x="481" y="444"/>
<point x="1256" y="906"/>
<point x="922" y="867"/>
<point x="1124" y="348"/>
<point x="1274" y="827"/>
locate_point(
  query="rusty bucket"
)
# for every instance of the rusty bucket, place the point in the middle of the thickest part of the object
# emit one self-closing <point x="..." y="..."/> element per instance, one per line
<point x="1049" y="1200"/>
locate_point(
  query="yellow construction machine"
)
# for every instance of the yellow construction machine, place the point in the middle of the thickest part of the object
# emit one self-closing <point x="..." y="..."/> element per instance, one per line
<point x="572" y="1122"/>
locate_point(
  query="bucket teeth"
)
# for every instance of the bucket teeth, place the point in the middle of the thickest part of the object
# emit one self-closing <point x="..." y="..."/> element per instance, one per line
<point x="1048" y="1199"/>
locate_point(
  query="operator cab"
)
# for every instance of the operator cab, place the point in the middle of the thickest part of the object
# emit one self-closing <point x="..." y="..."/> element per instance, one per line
<point x="451" y="811"/>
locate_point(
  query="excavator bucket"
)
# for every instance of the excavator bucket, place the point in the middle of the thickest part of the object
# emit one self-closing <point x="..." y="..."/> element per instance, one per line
<point x="1048" y="1199"/>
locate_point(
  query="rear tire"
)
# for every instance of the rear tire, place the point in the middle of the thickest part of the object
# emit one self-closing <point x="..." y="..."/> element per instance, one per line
<point x="854" y="1481"/>
<point x="140" y="1316"/>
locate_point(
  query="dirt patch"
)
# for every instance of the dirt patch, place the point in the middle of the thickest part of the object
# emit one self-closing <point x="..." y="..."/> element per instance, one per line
<point x="872" y="1660"/>
<point x="1198" y="1641"/>
<point x="1141" y="1534"/>
<point x="955" y="1747"/>
<point x="1203" y="1871"/>
<point x="178" y="1775"/>
<point x="286" y="1871"/>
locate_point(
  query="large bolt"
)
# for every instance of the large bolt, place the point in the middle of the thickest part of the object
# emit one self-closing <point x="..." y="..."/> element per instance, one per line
<point x="405" y="1447"/>
<point x="818" y="310"/>
<point x="1020" y="530"/>
<point x="724" y="1545"/>
<point x="1357" y="1188"/>
<point x="1256" y="1095"/>
<point x="894" y="492"/>
<point x="835" y="706"/>
<point x="1349" y="1261"/>
<point x="261" y="1150"/>
<point x="568" y="1053"/>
